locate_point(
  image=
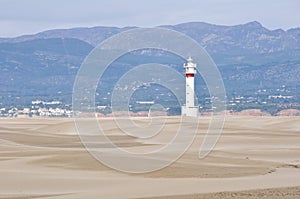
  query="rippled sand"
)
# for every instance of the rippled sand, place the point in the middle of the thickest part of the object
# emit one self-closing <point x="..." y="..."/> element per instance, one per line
<point x="255" y="157"/>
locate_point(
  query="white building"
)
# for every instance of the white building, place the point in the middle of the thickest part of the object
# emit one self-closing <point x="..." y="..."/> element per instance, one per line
<point x="189" y="109"/>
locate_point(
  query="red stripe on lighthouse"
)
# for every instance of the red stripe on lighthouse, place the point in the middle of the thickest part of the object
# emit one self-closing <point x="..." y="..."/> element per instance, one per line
<point x="189" y="75"/>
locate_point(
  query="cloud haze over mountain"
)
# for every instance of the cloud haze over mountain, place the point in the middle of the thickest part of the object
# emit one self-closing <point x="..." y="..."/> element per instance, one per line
<point x="31" y="16"/>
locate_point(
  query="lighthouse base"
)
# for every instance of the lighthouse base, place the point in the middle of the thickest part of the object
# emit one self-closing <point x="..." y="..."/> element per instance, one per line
<point x="191" y="111"/>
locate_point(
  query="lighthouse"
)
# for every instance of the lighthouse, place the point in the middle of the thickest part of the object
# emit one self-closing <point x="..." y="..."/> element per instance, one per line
<point x="189" y="109"/>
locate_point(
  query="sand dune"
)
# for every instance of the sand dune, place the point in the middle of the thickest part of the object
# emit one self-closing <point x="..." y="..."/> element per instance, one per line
<point x="256" y="157"/>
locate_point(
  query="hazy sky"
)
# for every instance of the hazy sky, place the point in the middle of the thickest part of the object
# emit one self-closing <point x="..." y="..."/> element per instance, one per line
<point x="19" y="17"/>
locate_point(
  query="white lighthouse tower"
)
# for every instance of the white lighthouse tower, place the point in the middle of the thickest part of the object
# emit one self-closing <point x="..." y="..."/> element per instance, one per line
<point x="190" y="109"/>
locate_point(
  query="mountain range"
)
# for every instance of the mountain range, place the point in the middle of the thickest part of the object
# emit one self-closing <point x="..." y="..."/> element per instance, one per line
<point x="250" y="57"/>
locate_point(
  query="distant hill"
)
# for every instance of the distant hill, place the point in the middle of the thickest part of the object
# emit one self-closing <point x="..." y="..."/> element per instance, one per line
<point x="249" y="56"/>
<point x="92" y="35"/>
<point x="40" y="67"/>
<point x="246" y="43"/>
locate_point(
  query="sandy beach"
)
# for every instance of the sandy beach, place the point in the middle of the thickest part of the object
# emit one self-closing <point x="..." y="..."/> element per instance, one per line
<point x="255" y="157"/>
